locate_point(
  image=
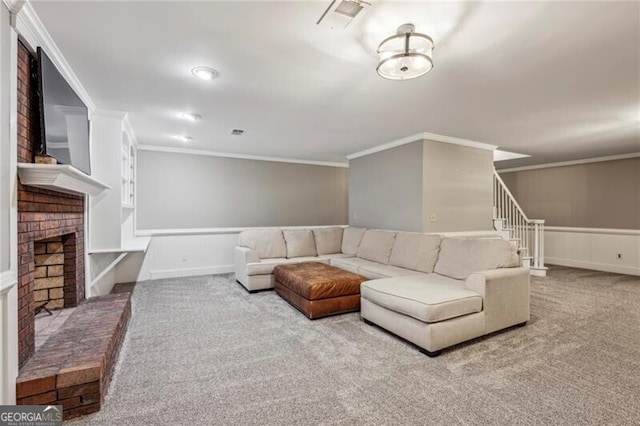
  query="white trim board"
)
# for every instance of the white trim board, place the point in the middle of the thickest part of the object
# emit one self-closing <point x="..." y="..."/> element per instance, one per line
<point x="34" y="33"/>
<point x="419" y="137"/>
<point x="571" y="163"/>
<point x="191" y="272"/>
<point x="609" y="231"/>
<point x="206" y="231"/>
<point x="605" y="267"/>
<point x="189" y="151"/>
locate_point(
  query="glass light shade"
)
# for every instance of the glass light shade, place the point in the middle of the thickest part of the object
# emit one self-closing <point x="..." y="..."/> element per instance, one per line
<point x="405" y="55"/>
<point x="204" y="73"/>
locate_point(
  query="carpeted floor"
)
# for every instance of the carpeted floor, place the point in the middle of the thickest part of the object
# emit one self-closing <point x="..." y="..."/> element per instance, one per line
<point x="202" y="351"/>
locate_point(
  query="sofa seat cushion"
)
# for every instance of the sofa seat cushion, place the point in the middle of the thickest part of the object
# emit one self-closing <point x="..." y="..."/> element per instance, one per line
<point x="461" y="257"/>
<point x="269" y="242"/>
<point x="300" y="242"/>
<point x="415" y="251"/>
<point x="376" y="245"/>
<point x="378" y="270"/>
<point x="421" y="299"/>
<point x="351" y="264"/>
<point x="335" y="256"/>
<point x="265" y="266"/>
<point x="328" y="240"/>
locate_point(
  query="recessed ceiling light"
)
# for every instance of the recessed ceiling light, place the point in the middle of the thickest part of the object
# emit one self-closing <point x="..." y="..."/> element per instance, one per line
<point x="205" y="73"/>
<point x="190" y="116"/>
<point x="237" y="132"/>
<point x="184" y="138"/>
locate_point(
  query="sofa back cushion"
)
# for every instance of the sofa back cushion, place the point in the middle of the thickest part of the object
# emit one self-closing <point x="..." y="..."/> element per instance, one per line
<point x="300" y="242"/>
<point x="351" y="238"/>
<point x="328" y="240"/>
<point x="461" y="257"/>
<point x="376" y="245"/>
<point x="269" y="243"/>
<point x="418" y="252"/>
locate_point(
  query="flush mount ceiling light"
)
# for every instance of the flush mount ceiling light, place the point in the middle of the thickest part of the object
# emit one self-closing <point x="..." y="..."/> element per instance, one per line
<point x="405" y="55"/>
<point x="190" y="116"/>
<point x="184" y="138"/>
<point x="204" y="73"/>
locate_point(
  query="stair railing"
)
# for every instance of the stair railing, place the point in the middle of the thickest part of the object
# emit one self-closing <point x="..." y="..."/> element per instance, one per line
<point x="529" y="233"/>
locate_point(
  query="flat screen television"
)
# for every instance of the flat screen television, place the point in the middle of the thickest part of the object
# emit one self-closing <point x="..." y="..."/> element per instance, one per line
<point x="64" y="118"/>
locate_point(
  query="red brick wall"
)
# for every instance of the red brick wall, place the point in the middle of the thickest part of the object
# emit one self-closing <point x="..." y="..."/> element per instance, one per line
<point x="42" y="214"/>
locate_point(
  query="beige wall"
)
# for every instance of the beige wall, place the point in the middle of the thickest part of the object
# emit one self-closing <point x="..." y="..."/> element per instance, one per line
<point x="196" y="191"/>
<point x="594" y="195"/>
<point x="385" y="189"/>
<point x="401" y="187"/>
<point x="457" y="188"/>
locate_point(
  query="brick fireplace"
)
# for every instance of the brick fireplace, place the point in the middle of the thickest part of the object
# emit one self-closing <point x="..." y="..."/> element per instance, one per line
<point x="44" y="217"/>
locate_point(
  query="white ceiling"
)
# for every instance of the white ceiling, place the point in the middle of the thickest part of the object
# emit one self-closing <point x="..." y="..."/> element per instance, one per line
<point x="558" y="81"/>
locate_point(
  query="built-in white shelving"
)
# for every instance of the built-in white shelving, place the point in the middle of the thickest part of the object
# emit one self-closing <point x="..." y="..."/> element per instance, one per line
<point x="112" y="216"/>
<point x="133" y="245"/>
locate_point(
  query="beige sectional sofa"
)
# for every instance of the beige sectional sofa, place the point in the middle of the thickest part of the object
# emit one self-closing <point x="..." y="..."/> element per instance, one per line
<point x="430" y="290"/>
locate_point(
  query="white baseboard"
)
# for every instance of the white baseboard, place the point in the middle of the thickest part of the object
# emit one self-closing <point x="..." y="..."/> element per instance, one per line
<point x="605" y="267"/>
<point x="189" y="272"/>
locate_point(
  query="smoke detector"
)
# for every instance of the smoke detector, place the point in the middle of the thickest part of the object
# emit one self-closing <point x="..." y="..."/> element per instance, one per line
<point x="340" y="13"/>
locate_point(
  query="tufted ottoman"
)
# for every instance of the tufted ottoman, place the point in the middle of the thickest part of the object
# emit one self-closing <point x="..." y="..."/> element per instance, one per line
<point x="318" y="289"/>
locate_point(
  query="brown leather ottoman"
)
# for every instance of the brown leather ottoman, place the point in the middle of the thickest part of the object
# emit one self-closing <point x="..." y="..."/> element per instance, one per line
<point x="318" y="289"/>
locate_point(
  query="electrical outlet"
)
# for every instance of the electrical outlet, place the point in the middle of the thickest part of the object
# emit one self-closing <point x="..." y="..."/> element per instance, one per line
<point x="433" y="218"/>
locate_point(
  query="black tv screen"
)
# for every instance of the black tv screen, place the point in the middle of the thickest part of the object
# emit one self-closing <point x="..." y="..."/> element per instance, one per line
<point x="64" y="118"/>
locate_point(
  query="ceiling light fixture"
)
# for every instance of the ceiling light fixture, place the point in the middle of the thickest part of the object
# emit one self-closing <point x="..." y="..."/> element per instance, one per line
<point x="204" y="73"/>
<point x="190" y="116"/>
<point x="405" y="55"/>
<point x="184" y="138"/>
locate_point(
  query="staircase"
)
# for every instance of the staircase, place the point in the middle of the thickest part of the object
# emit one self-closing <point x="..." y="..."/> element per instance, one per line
<point x="527" y="233"/>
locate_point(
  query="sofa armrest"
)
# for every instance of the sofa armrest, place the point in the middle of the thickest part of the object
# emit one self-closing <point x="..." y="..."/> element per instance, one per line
<point x="505" y="294"/>
<point x="242" y="256"/>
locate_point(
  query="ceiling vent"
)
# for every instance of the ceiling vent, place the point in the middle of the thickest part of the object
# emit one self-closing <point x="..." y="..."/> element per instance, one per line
<point x="237" y="132"/>
<point x="340" y="13"/>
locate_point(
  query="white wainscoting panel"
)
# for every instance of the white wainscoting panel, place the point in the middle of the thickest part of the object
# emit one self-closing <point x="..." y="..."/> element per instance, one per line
<point x="594" y="248"/>
<point x="177" y="255"/>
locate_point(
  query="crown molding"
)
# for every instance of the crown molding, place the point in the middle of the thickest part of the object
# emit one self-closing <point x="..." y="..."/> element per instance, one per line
<point x="126" y="125"/>
<point x="422" y="136"/>
<point x="33" y="32"/>
<point x="238" y="156"/>
<point x="571" y="163"/>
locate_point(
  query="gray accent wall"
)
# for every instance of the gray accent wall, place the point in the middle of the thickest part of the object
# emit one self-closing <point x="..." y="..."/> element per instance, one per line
<point x="197" y="191"/>
<point x="403" y="187"/>
<point x="457" y="188"/>
<point x="385" y="189"/>
<point x="593" y="195"/>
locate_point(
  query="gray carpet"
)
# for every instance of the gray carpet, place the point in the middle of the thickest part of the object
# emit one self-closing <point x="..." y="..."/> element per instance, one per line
<point x="203" y="351"/>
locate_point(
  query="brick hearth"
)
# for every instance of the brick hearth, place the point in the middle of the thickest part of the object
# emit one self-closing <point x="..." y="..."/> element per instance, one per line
<point x="73" y="367"/>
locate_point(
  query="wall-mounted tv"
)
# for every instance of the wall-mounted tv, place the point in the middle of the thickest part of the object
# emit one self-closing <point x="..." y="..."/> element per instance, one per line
<point x="64" y="118"/>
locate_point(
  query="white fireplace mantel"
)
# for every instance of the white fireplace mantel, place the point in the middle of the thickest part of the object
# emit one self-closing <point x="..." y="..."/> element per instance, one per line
<point x="61" y="178"/>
